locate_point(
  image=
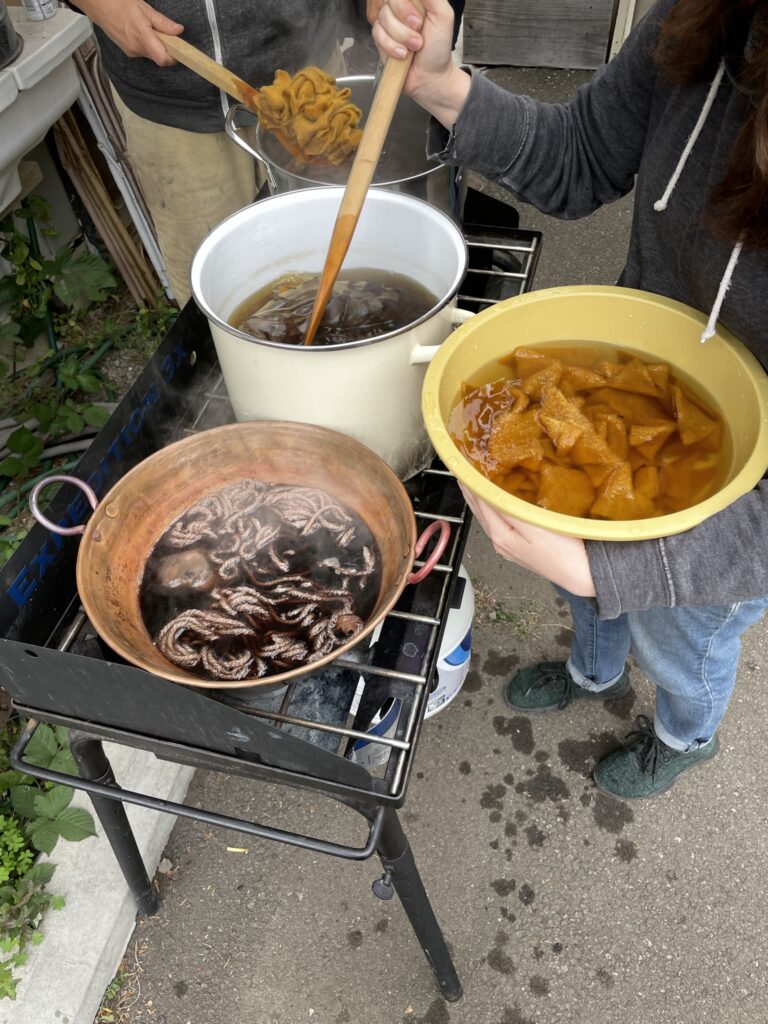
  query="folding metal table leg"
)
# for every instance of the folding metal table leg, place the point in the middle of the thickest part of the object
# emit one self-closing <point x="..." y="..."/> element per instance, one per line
<point x="94" y="766"/>
<point x="400" y="869"/>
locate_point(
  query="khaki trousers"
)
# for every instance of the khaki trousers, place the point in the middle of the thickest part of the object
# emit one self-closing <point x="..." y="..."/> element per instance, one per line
<point x="191" y="182"/>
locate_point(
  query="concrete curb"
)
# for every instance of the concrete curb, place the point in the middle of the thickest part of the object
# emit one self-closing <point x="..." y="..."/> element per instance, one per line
<point x="64" y="979"/>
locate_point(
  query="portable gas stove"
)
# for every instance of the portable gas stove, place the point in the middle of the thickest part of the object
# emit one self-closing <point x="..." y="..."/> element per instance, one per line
<point x="58" y="671"/>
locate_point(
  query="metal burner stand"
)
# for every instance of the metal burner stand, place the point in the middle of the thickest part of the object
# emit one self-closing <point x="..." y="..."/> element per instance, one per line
<point x="58" y="671"/>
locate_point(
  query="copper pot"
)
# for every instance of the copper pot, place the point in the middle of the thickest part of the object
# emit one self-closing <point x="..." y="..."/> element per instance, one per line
<point x="128" y="522"/>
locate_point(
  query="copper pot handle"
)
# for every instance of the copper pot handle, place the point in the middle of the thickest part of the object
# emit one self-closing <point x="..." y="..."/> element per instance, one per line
<point x="63" y="531"/>
<point x="434" y="558"/>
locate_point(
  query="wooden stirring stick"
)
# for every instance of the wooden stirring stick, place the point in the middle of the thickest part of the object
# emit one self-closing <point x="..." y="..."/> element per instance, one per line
<point x="214" y="73"/>
<point x="360" y="176"/>
<point x="207" y="68"/>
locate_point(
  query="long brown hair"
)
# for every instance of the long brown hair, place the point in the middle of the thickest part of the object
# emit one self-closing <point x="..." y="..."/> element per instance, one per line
<point x="693" y="38"/>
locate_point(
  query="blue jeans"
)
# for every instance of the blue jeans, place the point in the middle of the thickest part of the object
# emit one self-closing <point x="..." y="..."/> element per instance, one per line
<point x="689" y="654"/>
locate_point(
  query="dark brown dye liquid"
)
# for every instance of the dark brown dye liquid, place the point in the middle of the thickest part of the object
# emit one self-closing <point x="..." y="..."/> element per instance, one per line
<point x="365" y="303"/>
<point x="250" y="570"/>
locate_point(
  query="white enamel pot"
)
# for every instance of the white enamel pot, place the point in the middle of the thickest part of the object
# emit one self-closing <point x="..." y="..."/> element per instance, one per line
<point x="368" y="389"/>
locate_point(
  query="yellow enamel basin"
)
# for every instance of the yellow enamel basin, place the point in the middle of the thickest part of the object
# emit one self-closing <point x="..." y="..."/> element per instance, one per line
<point x="722" y="370"/>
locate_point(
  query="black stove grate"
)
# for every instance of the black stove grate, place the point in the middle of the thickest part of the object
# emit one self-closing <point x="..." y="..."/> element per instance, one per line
<point x="502" y="256"/>
<point x="182" y="391"/>
<point x="333" y="708"/>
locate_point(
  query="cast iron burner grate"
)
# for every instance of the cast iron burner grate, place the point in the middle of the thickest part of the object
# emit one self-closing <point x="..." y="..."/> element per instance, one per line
<point x="57" y="670"/>
<point x="502" y="256"/>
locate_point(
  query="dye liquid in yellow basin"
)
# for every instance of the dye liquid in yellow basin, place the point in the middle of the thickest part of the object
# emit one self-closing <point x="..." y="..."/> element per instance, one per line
<point x="591" y="430"/>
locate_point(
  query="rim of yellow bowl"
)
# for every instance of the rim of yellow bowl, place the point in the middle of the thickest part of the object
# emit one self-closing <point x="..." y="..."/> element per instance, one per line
<point x="593" y="529"/>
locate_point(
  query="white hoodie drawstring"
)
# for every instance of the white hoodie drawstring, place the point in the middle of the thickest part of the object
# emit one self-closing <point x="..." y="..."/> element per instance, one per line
<point x="661" y="204"/>
<point x="725" y="284"/>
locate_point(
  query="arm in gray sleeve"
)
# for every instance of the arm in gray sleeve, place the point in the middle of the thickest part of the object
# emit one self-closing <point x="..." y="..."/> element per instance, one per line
<point x="566" y="160"/>
<point x="721" y="561"/>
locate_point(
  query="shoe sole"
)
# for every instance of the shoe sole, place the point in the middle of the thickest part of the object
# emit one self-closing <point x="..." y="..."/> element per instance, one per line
<point x="669" y="785"/>
<point x="588" y="695"/>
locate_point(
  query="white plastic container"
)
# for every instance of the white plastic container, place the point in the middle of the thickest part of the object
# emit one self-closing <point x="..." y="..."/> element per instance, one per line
<point x="368" y="753"/>
<point x="455" y="650"/>
<point x="452" y="668"/>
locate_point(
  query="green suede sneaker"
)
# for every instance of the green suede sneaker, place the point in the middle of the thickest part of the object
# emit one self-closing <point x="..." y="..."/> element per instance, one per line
<point x="646" y="766"/>
<point x="548" y="687"/>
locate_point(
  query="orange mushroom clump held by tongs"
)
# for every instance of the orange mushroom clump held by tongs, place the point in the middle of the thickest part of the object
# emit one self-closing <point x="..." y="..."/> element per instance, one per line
<point x="312" y="118"/>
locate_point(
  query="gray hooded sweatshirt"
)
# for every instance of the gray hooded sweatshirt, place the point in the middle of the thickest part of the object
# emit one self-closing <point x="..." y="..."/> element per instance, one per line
<point x="252" y="38"/>
<point x="628" y="127"/>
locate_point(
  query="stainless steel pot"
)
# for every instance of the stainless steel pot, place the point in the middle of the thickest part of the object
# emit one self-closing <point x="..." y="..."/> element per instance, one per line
<point x="403" y="167"/>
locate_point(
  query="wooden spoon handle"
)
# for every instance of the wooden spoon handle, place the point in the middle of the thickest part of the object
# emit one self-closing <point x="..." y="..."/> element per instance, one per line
<point x="222" y="78"/>
<point x="212" y="72"/>
<point x="372" y="140"/>
<point x="360" y="177"/>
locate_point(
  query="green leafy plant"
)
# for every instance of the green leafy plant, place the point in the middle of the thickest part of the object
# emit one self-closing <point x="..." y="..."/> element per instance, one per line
<point x="50" y="816"/>
<point x="51" y="395"/>
<point x="16" y="858"/>
<point x="9" y="335"/>
<point x="33" y="817"/>
<point x="33" y="283"/>
<point x="71" y="375"/>
<point x="10" y="538"/>
<point x="46" y="811"/>
<point x="84" y="277"/>
<point x="22" y="906"/>
<point x="26" y="449"/>
<point x="147" y="328"/>
<point x="107" y="1013"/>
<point x="73" y="299"/>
